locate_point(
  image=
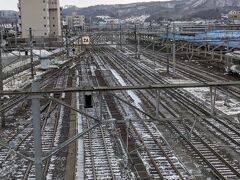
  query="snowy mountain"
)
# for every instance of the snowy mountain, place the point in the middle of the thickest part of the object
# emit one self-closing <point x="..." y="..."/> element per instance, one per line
<point x="175" y="9"/>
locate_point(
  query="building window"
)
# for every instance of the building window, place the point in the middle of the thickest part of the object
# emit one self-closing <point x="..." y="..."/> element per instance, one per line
<point x="45" y="34"/>
<point x="44" y="17"/>
<point x="45" y="25"/>
<point x="44" y="9"/>
<point x="44" y="1"/>
<point x="54" y="25"/>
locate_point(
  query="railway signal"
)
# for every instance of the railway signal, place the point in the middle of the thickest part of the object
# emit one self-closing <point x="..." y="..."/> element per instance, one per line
<point x="88" y="101"/>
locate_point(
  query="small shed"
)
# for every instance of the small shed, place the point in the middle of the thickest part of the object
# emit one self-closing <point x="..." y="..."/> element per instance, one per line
<point x="44" y="60"/>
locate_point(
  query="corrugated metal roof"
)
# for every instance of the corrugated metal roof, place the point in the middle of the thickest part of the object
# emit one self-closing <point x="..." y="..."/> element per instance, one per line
<point x="217" y="37"/>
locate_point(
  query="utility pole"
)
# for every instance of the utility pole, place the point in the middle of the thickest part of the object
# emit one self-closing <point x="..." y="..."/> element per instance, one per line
<point x="174" y="50"/>
<point x="90" y="23"/>
<point x="157" y="104"/>
<point x="137" y="43"/>
<point x="16" y="32"/>
<point x="151" y="26"/>
<point x="121" y="37"/>
<point x="37" y="131"/>
<point x="31" y="52"/>
<point x="135" y="39"/>
<point x="67" y="42"/>
<point x="2" y="121"/>
<point x="138" y="46"/>
<point x="167" y="48"/>
<point x="62" y="44"/>
<point x="101" y="105"/>
<point x="112" y="32"/>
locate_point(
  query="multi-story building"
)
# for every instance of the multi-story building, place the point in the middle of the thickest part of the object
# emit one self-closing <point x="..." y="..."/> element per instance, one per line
<point x="234" y="16"/>
<point x="43" y="16"/>
<point x="75" y="22"/>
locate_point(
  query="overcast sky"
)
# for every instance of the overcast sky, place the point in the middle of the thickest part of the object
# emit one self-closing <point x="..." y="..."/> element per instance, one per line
<point x="12" y="4"/>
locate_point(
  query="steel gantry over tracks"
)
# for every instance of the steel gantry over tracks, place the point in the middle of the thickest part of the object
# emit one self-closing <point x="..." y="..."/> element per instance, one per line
<point x="36" y="94"/>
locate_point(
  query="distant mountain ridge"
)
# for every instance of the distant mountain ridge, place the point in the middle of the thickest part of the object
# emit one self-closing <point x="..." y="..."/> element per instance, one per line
<point x="157" y="10"/>
<point x="175" y="9"/>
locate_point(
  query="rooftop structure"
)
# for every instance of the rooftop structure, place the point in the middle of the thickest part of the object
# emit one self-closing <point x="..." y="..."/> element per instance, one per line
<point x="226" y="38"/>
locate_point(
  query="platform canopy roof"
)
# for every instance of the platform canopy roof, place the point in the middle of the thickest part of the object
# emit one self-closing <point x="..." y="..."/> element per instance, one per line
<point x="228" y="38"/>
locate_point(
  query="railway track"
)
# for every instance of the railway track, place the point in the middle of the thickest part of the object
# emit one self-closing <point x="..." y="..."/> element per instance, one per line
<point x="162" y="164"/>
<point x="100" y="160"/>
<point x="217" y="172"/>
<point x="50" y="129"/>
<point x="23" y="140"/>
<point x="165" y="163"/>
<point x="193" y="72"/>
<point x="130" y="156"/>
<point x="47" y="79"/>
<point x="227" y="130"/>
<point x="158" y="157"/>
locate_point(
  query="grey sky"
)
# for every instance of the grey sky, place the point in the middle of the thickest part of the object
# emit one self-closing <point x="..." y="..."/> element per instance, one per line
<point x="12" y="4"/>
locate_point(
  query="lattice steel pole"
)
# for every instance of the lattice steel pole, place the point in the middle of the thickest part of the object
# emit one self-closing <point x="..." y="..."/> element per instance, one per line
<point x="31" y="52"/>
<point x="2" y="121"/>
<point x="135" y="41"/>
<point x="138" y="45"/>
<point x="157" y="104"/>
<point x="67" y="41"/>
<point x="37" y="131"/>
<point x="167" y="48"/>
<point x="121" y="37"/>
<point x="174" y="50"/>
<point x="101" y="105"/>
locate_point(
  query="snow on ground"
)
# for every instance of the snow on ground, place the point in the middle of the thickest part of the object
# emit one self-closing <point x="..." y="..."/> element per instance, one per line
<point x="80" y="149"/>
<point x="56" y="142"/>
<point x="137" y="101"/>
<point x="198" y="3"/>
<point x="41" y="52"/>
<point x="24" y="61"/>
<point x="203" y="94"/>
<point x="135" y="19"/>
<point x="13" y="54"/>
<point x="111" y="45"/>
<point x="17" y="81"/>
<point x="232" y="107"/>
<point x="20" y="80"/>
<point x="17" y="64"/>
<point x="24" y="78"/>
<point x="157" y="67"/>
<point x="103" y="17"/>
<point x="22" y="53"/>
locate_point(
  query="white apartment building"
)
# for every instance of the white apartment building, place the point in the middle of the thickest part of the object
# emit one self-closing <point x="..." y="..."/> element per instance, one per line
<point x="43" y="16"/>
<point x="76" y="22"/>
<point x="234" y="15"/>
